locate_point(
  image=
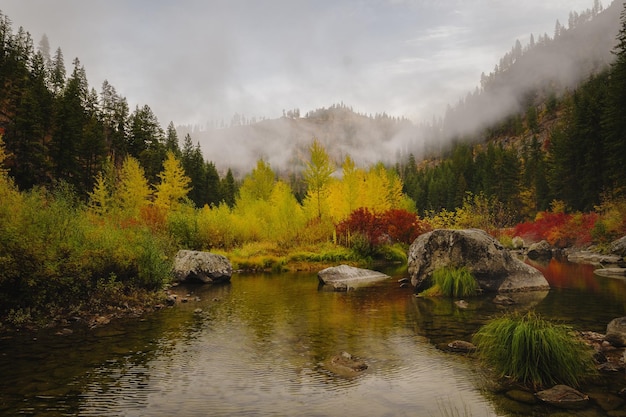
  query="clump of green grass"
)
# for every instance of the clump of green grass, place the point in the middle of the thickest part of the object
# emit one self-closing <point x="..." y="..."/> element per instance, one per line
<point x="452" y="282"/>
<point x="534" y="352"/>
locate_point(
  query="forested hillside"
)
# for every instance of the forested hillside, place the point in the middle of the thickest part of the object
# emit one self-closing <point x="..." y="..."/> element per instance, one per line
<point x="564" y="144"/>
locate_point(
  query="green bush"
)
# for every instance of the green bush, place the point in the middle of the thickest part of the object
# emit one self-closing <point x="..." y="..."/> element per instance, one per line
<point x="452" y="282"/>
<point x="392" y="253"/>
<point x="533" y="351"/>
<point x="55" y="256"/>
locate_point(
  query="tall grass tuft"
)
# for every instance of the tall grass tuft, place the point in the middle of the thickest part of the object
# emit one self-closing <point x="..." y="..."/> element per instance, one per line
<point x="452" y="282"/>
<point x="533" y="351"/>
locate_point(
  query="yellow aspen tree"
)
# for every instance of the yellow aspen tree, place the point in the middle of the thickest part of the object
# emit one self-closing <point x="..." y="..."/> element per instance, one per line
<point x="395" y="196"/>
<point x="374" y="196"/>
<point x="100" y="198"/>
<point x="252" y="203"/>
<point x="353" y="179"/>
<point x="258" y="184"/>
<point x="344" y="195"/>
<point x="174" y="184"/>
<point x="133" y="190"/>
<point x="4" y="155"/>
<point x="286" y="219"/>
<point x="9" y="194"/>
<point x="318" y="174"/>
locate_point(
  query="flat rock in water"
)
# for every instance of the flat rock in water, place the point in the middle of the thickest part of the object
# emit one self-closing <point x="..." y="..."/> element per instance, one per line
<point x="345" y="277"/>
<point x="593" y="258"/>
<point x="460" y="346"/>
<point x="610" y="272"/>
<point x="563" y="396"/>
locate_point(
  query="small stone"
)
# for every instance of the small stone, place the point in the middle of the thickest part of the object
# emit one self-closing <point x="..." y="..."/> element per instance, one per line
<point x="521" y="396"/>
<point x="461" y="346"/>
<point x="606" y="401"/>
<point x="504" y="300"/>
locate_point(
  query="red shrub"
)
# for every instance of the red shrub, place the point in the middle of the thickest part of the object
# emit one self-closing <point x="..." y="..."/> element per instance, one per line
<point x="559" y="229"/>
<point x="153" y="217"/>
<point x="393" y="225"/>
<point x="403" y="226"/>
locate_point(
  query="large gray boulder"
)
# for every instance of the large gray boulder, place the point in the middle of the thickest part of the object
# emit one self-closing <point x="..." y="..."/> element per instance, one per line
<point x="495" y="269"/>
<point x="344" y="277"/>
<point x="206" y="267"/>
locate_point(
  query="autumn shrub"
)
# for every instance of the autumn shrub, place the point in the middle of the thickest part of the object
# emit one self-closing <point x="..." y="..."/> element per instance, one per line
<point x="360" y="223"/>
<point x="477" y="211"/>
<point x="611" y="223"/>
<point x="55" y="256"/>
<point x="403" y="226"/>
<point x="315" y="231"/>
<point x="391" y="226"/>
<point x="452" y="282"/>
<point x="153" y="217"/>
<point x="533" y="351"/>
<point x="392" y="253"/>
<point x="560" y="229"/>
<point x="182" y="224"/>
<point x="217" y="228"/>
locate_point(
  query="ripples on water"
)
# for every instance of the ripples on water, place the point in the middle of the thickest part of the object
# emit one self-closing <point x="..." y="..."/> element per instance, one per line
<point x="259" y="347"/>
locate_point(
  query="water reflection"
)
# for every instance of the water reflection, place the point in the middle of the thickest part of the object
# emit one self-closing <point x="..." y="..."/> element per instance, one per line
<point x="259" y="346"/>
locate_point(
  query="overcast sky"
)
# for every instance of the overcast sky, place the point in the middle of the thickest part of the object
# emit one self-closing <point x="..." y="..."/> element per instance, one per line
<point x="193" y="61"/>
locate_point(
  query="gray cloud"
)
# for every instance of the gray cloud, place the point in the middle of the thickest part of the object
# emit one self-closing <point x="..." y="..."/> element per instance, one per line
<point x="193" y="60"/>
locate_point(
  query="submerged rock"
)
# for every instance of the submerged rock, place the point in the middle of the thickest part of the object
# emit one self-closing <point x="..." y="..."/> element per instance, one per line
<point x="344" y="277"/>
<point x="205" y="267"/>
<point x="344" y="364"/>
<point x="494" y="268"/>
<point x="563" y="396"/>
<point x="521" y="396"/>
<point x="460" y="346"/>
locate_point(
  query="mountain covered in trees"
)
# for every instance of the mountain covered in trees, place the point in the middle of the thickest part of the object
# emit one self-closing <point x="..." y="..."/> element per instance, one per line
<point x="544" y="125"/>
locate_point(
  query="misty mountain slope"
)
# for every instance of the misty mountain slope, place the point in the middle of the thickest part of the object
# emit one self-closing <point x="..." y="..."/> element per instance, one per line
<point x="525" y="76"/>
<point x="284" y="142"/>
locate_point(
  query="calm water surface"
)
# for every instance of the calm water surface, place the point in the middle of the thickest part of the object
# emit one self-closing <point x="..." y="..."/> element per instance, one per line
<point x="260" y="347"/>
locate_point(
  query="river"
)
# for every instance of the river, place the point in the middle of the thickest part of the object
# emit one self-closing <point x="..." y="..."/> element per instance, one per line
<point x="260" y="346"/>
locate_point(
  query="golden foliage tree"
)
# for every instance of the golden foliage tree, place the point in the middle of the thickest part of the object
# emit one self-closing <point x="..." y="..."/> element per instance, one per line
<point x="174" y="184"/>
<point x="318" y="174"/>
<point x="133" y="190"/>
<point x="3" y="157"/>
